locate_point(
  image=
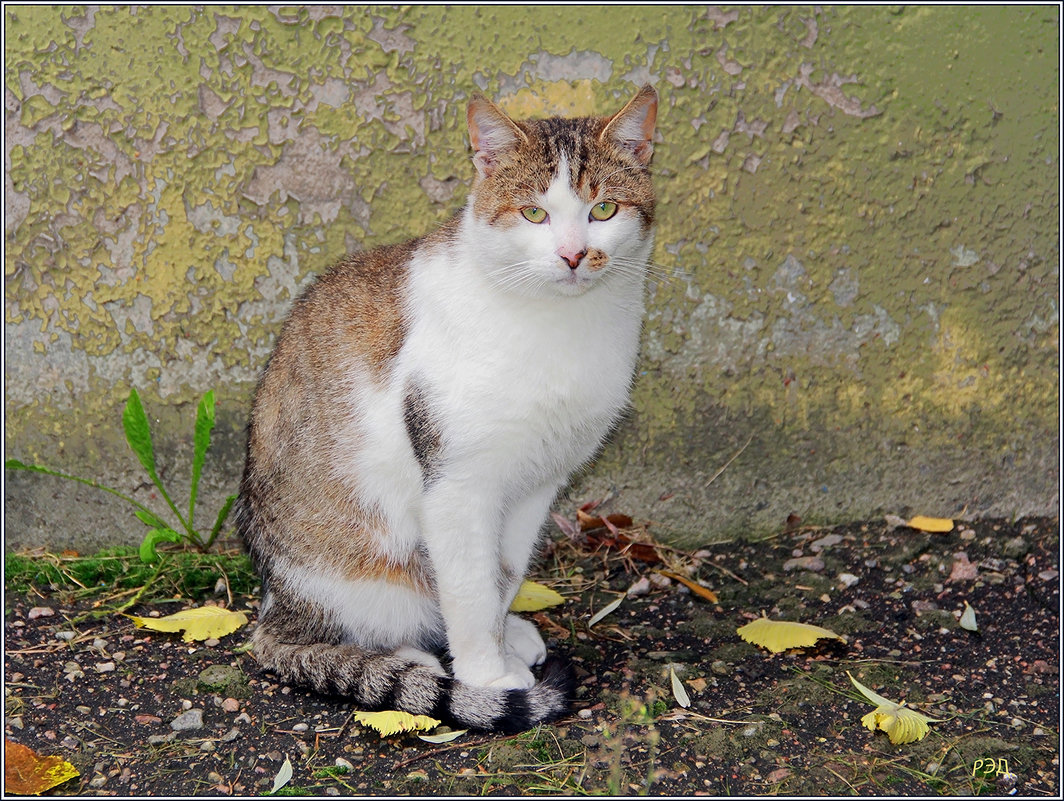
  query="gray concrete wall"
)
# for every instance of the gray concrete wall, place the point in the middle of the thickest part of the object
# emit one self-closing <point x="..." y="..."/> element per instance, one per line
<point x="858" y="254"/>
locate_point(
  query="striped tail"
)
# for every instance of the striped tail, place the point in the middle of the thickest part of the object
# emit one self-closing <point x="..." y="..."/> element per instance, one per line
<point x="376" y="680"/>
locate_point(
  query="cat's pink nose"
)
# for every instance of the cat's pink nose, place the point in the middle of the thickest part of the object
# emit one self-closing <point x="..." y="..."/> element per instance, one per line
<point x="572" y="258"/>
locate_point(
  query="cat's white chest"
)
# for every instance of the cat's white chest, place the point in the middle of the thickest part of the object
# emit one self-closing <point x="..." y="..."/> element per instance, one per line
<point x="530" y="386"/>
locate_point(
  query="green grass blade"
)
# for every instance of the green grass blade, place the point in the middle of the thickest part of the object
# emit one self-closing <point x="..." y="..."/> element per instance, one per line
<point x="222" y="515"/>
<point x="149" y="519"/>
<point x="204" y="426"/>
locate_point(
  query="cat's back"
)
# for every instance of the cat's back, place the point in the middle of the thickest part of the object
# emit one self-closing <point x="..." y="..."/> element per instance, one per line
<point x="352" y="311"/>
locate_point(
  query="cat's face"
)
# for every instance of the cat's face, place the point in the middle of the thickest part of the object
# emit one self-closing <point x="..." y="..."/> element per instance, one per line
<point x="563" y="204"/>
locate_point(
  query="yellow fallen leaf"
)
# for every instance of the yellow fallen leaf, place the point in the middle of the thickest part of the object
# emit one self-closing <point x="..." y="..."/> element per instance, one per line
<point x="393" y="722"/>
<point x="200" y="623"/>
<point x="532" y="597"/>
<point x="937" y="525"/>
<point x="28" y="773"/>
<point x="780" y="635"/>
<point x="902" y="724"/>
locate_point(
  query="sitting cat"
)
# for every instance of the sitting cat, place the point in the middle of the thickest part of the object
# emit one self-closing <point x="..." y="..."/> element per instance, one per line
<point x="424" y="404"/>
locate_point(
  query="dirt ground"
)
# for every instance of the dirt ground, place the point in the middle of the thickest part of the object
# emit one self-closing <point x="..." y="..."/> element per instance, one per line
<point x="141" y="713"/>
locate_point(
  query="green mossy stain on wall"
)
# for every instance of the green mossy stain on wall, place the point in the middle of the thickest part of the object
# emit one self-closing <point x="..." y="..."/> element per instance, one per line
<point x="858" y="206"/>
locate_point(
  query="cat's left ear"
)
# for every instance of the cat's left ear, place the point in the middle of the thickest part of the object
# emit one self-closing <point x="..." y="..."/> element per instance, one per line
<point x="491" y="133"/>
<point x="633" y="126"/>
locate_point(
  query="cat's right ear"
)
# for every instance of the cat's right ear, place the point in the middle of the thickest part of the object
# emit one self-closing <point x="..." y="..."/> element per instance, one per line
<point x="491" y="133"/>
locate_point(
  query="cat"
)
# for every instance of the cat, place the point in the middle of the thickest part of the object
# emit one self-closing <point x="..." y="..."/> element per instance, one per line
<point x="423" y="406"/>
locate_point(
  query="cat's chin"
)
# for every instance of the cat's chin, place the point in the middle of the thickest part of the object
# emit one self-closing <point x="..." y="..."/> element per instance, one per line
<point x="572" y="284"/>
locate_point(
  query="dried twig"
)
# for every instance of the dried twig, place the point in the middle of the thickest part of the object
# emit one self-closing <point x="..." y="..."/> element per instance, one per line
<point x="736" y="455"/>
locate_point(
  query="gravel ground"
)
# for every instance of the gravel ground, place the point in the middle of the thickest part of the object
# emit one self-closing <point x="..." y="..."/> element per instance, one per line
<point x="140" y="713"/>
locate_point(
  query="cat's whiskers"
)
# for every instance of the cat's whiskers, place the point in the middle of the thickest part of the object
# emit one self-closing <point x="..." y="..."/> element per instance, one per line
<point x="658" y="273"/>
<point x="512" y="276"/>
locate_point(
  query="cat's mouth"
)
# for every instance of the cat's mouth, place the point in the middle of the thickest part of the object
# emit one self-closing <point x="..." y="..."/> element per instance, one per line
<point x="574" y="282"/>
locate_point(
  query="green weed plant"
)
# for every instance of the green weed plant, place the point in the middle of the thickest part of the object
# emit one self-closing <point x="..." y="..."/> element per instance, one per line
<point x="138" y="435"/>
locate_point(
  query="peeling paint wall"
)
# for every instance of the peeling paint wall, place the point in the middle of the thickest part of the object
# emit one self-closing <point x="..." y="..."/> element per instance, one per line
<point x="858" y="252"/>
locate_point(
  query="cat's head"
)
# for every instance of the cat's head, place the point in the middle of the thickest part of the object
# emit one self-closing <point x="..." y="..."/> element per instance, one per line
<point x="561" y="205"/>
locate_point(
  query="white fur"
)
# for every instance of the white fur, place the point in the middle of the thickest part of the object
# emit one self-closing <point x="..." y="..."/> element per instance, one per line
<point x="526" y="365"/>
<point x="375" y="613"/>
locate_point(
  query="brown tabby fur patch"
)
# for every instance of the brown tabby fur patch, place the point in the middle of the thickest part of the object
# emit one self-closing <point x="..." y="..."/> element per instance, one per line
<point x="605" y="171"/>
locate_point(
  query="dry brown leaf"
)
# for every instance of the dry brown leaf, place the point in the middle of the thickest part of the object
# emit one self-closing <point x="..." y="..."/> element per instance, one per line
<point x="590" y="522"/>
<point x="28" y="773"/>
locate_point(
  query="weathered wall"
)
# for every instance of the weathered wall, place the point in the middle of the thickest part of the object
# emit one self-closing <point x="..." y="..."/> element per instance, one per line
<point x="858" y="245"/>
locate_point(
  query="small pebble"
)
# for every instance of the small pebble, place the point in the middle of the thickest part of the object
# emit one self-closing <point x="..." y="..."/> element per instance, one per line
<point x="343" y="763"/>
<point x="300" y="727"/>
<point x="66" y="635"/>
<point x="825" y="542"/>
<point x="160" y="739"/>
<point x="230" y="705"/>
<point x="230" y="735"/>
<point x="660" y="581"/>
<point x="812" y="563"/>
<point x="641" y="587"/>
<point x="105" y="667"/>
<point x="585" y="714"/>
<point x="847" y="580"/>
<point x="40" y="611"/>
<point x="207" y="746"/>
<point x="1015" y="548"/>
<point x="188" y="721"/>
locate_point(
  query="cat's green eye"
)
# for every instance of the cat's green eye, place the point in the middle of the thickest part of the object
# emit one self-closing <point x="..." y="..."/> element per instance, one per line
<point x="604" y="210"/>
<point x="534" y="215"/>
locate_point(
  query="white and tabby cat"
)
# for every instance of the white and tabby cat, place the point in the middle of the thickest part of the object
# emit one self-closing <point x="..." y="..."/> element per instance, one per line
<point x="424" y="404"/>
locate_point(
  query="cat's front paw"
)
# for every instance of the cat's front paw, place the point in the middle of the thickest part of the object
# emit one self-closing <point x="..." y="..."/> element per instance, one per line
<point x="518" y="676"/>
<point x="524" y="642"/>
<point x="512" y="674"/>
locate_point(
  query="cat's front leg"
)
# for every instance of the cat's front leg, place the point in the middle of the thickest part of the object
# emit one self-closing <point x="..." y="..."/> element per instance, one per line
<point x="520" y="535"/>
<point x="473" y="588"/>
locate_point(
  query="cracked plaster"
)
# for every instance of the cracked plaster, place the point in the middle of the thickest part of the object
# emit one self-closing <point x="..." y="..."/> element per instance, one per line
<point x="857" y="210"/>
